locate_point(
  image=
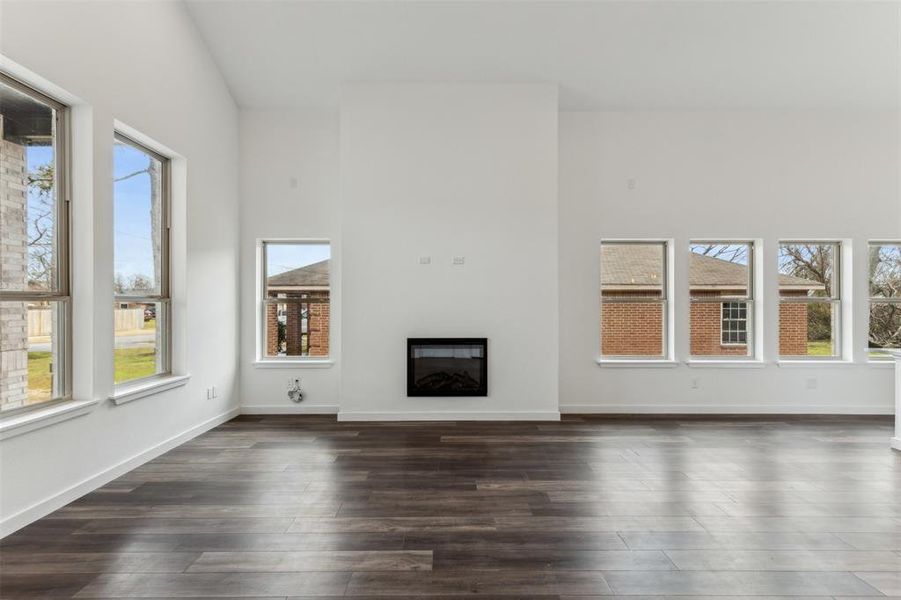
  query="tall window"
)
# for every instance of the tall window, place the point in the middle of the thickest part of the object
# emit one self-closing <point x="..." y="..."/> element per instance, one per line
<point x="885" y="297"/>
<point x="141" y="256"/>
<point x="633" y="299"/>
<point x="35" y="323"/>
<point x="721" y="288"/>
<point x="809" y="299"/>
<point x="295" y="300"/>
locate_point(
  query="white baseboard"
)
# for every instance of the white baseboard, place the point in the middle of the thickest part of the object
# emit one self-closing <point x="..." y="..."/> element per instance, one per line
<point x="290" y="409"/>
<point x="57" y="501"/>
<point x="724" y="409"/>
<point x="544" y="415"/>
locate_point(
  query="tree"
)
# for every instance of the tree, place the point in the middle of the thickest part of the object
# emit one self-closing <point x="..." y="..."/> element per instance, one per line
<point x="885" y="282"/>
<point x="814" y="262"/>
<point x="40" y="232"/>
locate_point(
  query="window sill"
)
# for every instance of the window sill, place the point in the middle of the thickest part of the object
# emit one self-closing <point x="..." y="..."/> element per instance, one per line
<point x="40" y="418"/>
<point x="636" y="363"/>
<point x="294" y="364"/>
<point x="882" y="364"/>
<point x="726" y="364"/>
<point x="803" y="364"/>
<point x="133" y="391"/>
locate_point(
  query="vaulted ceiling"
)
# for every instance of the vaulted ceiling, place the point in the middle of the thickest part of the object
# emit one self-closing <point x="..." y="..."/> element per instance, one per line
<point x="725" y="54"/>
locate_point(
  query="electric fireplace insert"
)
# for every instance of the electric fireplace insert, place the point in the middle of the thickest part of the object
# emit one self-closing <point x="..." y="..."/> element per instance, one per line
<point x="447" y="366"/>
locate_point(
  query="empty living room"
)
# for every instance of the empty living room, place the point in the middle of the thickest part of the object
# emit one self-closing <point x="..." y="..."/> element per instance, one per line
<point x="440" y="299"/>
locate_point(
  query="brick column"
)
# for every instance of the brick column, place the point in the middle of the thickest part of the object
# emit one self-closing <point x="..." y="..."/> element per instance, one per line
<point x="318" y="325"/>
<point x="271" y="330"/>
<point x="294" y="330"/>
<point x="13" y="274"/>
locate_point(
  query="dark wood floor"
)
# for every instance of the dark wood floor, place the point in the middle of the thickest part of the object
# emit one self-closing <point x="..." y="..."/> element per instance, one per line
<point x="275" y="507"/>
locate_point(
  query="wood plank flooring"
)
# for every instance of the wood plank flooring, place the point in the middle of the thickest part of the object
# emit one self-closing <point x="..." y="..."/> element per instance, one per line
<point x="306" y="507"/>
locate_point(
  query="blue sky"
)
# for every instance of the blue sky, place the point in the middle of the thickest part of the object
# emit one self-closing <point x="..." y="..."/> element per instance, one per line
<point x="284" y="257"/>
<point x="133" y="251"/>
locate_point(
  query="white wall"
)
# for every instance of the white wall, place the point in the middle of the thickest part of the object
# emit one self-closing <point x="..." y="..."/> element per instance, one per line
<point x="708" y="174"/>
<point x="443" y="171"/>
<point x="276" y="148"/>
<point x="143" y="65"/>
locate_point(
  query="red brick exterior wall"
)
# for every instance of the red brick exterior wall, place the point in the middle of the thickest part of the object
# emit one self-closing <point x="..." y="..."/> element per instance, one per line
<point x="793" y="329"/>
<point x="635" y="329"/>
<point x="299" y="341"/>
<point x="632" y="328"/>
<point x="706" y="335"/>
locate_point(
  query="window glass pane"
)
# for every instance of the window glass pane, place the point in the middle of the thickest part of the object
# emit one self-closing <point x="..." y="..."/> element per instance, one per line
<point x="633" y="269"/>
<point x="140" y="338"/>
<point x="137" y="216"/>
<point x="807" y="329"/>
<point x="719" y="269"/>
<point x="28" y="207"/>
<point x="632" y="328"/>
<point x="885" y="326"/>
<point x="885" y="270"/>
<point x="633" y="305"/>
<point x="300" y="275"/>
<point x="807" y="270"/>
<point x="30" y="353"/>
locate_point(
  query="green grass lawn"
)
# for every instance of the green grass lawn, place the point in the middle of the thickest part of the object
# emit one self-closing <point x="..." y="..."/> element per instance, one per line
<point x="134" y="363"/>
<point x="819" y="348"/>
<point x="130" y="363"/>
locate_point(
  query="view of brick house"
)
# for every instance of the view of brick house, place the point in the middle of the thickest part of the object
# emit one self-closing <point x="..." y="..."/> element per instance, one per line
<point x="13" y="269"/>
<point x="300" y="325"/>
<point x="630" y="271"/>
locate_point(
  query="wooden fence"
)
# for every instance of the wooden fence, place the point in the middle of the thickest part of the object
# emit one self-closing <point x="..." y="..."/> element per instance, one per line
<point x="40" y="320"/>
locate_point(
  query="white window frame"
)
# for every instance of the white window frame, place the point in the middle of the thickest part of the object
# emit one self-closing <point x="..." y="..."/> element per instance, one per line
<point x="62" y="374"/>
<point x="835" y="298"/>
<point x="262" y="301"/>
<point x="878" y="300"/>
<point x="752" y="306"/>
<point x="163" y="298"/>
<point x="667" y="350"/>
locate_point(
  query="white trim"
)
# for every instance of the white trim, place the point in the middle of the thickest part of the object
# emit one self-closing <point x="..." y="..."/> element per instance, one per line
<point x="293" y="364"/>
<point x="803" y="363"/>
<point x="724" y="409"/>
<point x="636" y="362"/>
<point x="290" y="409"/>
<point x="36" y="419"/>
<point x="57" y="501"/>
<point x="725" y="364"/>
<point x="896" y="443"/>
<point x="475" y="415"/>
<point x="881" y="363"/>
<point x="128" y="392"/>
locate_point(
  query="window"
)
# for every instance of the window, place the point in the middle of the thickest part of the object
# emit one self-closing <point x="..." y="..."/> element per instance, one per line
<point x="295" y="300"/>
<point x="885" y="297"/>
<point x="35" y="321"/>
<point x="721" y="290"/>
<point x="734" y="326"/>
<point x="809" y="299"/>
<point x="634" y="298"/>
<point x="142" y="310"/>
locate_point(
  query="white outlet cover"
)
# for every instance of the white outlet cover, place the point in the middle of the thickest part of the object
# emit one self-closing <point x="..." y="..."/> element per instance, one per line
<point x="425" y="260"/>
<point x="459" y="260"/>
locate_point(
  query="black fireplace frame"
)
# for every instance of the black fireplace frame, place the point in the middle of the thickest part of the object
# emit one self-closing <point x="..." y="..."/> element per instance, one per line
<point x="483" y="388"/>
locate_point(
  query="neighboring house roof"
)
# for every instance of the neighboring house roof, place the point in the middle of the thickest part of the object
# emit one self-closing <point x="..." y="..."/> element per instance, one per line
<point x="637" y="266"/>
<point x="314" y="276"/>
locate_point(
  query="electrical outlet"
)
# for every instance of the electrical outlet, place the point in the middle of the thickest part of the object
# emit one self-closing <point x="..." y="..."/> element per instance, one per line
<point x="210" y="393"/>
<point x="811" y="383"/>
<point x="425" y="260"/>
<point x="695" y="383"/>
<point x="459" y="260"/>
